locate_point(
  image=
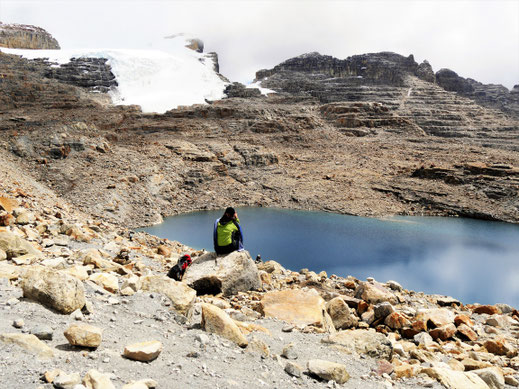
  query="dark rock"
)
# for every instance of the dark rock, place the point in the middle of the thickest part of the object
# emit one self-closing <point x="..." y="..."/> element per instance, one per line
<point x="239" y="90"/>
<point x="425" y="72"/>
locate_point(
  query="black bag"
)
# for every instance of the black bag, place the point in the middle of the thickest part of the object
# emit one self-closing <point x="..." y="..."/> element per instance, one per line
<point x="177" y="271"/>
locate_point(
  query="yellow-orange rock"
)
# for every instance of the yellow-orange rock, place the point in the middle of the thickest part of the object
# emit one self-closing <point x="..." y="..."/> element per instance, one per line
<point x="84" y="335"/>
<point x="463" y="319"/>
<point x="143" y="351"/>
<point x="296" y="306"/>
<point x="466" y="332"/>
<point x="216" y="321"/>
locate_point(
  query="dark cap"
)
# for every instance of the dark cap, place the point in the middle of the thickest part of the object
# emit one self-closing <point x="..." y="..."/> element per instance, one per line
<point x="230" y="211"/>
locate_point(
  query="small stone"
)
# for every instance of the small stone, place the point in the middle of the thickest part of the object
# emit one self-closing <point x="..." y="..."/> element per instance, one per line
<point x="108" y="281"/>
<point x="77" y="315"/>
<point x="49" y="375"/>
<point x="84" y="335"/>
<point x="42" y="332"/>
<point x="289" y="351"/>
<point x="258" y="346"/>
<point x="143" y="351"/>
<point x="66" y="381"/>
<point x="328" y="370"/>
<point x="144" y="384"/>
<point x="18" y="323"/>
<point x="393" y="285"/>
<point x="202" y="338"/>
<point x="423" y="338"/>
<point x="12" y="301"/>
<point x="293" y="369"/>
<point x="96" y="380"/>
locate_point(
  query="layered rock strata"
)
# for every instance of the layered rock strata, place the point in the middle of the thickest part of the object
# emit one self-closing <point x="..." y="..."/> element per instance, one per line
<point x="355" y="157"/>
<point x="24" y="36"/>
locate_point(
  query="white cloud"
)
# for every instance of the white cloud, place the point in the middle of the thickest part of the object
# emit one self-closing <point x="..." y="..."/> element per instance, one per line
<point x="477" y="39"/>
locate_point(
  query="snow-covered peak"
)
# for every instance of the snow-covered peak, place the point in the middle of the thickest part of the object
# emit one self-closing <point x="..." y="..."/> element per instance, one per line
<point x="156" y="80"/>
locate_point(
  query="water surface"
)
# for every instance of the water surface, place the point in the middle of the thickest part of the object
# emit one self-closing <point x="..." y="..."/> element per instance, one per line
<point x="471" y="260"/>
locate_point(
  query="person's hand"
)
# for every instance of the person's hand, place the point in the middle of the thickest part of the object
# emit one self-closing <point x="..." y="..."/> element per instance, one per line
<point x="235" y="215"/>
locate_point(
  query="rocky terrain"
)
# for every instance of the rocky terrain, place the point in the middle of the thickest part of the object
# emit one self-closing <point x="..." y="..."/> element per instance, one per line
<point x="87" y="305"/>
<point x="84" y="300"/>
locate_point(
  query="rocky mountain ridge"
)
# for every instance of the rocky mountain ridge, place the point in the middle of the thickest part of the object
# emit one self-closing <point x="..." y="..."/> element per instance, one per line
<point x="23" y="36"/>
<point x="331" y="79"/>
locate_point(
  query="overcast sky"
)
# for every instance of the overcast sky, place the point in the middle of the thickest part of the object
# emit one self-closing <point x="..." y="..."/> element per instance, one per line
<point x="477" y="39"/>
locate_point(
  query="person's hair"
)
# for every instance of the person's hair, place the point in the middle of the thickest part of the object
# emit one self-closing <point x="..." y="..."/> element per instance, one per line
<point x="230" y="211"/>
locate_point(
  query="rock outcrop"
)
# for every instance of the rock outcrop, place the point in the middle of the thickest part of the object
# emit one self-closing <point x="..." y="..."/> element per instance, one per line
<point x="229" y="274"/>
<point x="24" y="36"/>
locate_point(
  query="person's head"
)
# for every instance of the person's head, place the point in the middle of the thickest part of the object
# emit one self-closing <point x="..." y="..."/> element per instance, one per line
<point x="229" y="212"/>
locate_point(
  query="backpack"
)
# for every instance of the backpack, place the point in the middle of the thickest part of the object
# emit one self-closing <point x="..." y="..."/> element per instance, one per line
<point x="177" y="271"/>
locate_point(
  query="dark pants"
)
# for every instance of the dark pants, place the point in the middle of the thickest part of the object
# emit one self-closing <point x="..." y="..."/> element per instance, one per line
<point x="220" y="250"/>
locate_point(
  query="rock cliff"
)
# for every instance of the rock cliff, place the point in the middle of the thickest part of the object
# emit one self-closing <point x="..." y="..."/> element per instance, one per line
<point x="361" y="156"/>
<point x="23" y="36"/>
<point x="375" y="77"/>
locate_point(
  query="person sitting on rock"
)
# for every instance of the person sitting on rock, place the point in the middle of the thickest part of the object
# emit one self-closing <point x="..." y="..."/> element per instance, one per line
<point x="227" y="235"/>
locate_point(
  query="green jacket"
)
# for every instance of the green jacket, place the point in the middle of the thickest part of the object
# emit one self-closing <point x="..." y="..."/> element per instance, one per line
<point x="224" y="233"/>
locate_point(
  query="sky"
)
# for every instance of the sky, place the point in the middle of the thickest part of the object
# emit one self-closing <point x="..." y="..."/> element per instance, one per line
<point x="477" y="38"/>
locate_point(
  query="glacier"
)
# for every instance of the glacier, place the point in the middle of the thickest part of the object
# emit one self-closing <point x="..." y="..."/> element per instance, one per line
<point x="155" y="80"/>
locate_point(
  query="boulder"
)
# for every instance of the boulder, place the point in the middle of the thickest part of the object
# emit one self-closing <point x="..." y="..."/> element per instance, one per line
<point x="374" y="293"/>
<point x="143" y="351"/>
<point x="84" y="335"/>
<point x="435" y="317"/>
<point x="467" y="333"/>
<point x="15" y="246"/>
<point x="230" y="274"/>
<point x="328" y="371"/>
<point x="11" y="272"/>
<point x="341" y="314"/>
<point x="293" y="369"/>
<point x="8" y="204"/>
<point x="452" y="379"/>
<point x="272" y="267"/>
<point x="216" y="321"/>
<point x="372" y="343"/>
<point x="492" y="376"/>
<point x="500" y="346"/>
<point x="444" y="332"/>
<point x="487" y="309"/>
<point x="108" y="281"/>
<point x="463" y="319"/>
<point x="55" y="290"/>
<point x="3" y="255"/>
<point x="30" y="343"/>
<point x="296" y="306"/>
<point x="397" y="321"/>
<point x="181" y="295"/>
<point x="96" y="380"/>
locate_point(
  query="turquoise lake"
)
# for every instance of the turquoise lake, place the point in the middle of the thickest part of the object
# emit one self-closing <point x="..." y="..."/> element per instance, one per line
<point x="470" y="260"/>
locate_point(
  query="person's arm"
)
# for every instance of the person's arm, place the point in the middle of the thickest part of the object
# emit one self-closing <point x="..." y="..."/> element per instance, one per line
<point x="215" y="235"/>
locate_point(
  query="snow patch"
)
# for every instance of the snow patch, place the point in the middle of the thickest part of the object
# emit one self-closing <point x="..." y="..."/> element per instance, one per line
<point x="156" y="80"/>
<point x="257" y="85"/>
